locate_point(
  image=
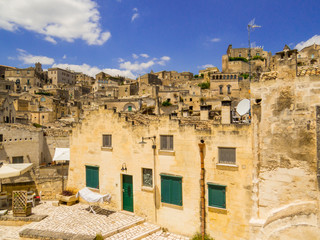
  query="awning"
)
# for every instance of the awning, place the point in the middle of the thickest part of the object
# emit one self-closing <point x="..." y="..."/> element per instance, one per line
<point x="14" y="170"/>
<point x="61" y="154"/>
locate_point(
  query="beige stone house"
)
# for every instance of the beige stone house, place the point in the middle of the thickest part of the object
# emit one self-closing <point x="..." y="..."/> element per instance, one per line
<point x="27" y="78"/>
<point x="60" y="76"/>
<point x="160" y="179"/>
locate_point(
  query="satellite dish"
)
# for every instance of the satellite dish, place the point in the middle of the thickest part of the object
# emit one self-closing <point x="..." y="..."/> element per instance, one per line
<point x="243" y="107"/>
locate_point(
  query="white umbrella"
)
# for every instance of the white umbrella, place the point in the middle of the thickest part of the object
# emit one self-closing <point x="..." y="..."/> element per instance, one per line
<point x="14" y="170"/>
<point x="61" y="154"/>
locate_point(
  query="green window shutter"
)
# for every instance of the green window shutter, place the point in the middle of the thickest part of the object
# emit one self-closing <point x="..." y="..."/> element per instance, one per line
<point x="176" y="191"/>
<point x="92" y="177"/>
<point x="217" y="196"/>
<point x="165" y="189"/>
<point x="171" y="190"/>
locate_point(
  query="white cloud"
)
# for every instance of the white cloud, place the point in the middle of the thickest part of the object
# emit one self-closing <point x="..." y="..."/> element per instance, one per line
<point x="215" y="40"/>
<point x="206" y="66"/>
<point x="135" y="56"/>
<point x="64" y="57"/>
<point x="58" y="19"/>
<point x="137" y="67"/>
<point x="50" y="39"/>
<point x="135" y="15"/>
<point x="92" y="70"/>
<point x="144" y="55"/>
<point x="165" y="58"/>
<point x="27" y="58"/>
<point x="315" y="39"/>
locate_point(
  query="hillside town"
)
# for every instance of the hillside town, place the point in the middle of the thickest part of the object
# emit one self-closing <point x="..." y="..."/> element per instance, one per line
<point x="233" y="152"/>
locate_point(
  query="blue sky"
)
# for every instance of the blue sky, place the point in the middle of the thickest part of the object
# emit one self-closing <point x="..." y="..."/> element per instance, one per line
<point x="131" y="37"/>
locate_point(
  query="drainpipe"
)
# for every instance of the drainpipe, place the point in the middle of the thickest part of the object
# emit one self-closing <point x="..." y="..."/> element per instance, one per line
<point x="155" y="179"/>
<point x="202" y="190"/>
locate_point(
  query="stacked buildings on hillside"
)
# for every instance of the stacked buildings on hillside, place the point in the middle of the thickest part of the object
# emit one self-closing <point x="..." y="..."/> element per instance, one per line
<point x="167" y="142"/>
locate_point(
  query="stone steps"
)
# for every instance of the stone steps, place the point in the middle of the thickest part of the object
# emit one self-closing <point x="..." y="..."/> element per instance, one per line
<point x="161" y="235"/>
<point x="136" y="232"/>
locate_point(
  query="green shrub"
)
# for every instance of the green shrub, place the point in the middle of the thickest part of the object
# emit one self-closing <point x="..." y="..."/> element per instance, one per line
<point x="196" y="76"/>
<point x="166" y="103"/>
<point x="244" y="75"/>
<point x="204" y="85"/>
<point x="238" y="59"/>
<point x="37" y="125"/>
<point x="258" y="58"/>
<point x="98" y="236"/>
<point x="198" y="236"/>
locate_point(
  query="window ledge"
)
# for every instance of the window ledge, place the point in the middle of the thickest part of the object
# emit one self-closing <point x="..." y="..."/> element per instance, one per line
<point x="217" y="210"/>
<point x="166" y="152"/>
<point x="107" y="149"/>
<point x="225" y="166"/>
<point x="171" y="206"/>
<point x="146" y="189"/>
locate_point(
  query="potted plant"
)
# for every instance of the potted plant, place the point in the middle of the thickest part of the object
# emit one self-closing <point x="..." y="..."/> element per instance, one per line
<point x="67" y="196"/>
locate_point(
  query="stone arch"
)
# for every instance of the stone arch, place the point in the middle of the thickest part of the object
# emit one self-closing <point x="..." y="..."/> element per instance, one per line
<point x="293" y="221"/>
<point x="130" y="107"/>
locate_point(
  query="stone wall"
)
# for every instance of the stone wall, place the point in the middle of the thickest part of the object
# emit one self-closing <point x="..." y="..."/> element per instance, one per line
<point x="285" y="188"/>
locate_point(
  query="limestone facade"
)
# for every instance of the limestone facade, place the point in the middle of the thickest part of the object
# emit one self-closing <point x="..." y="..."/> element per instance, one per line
<point x="182" y="161"/>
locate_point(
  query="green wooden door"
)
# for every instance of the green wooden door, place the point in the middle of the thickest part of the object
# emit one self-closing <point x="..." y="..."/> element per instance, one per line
<point x="127" y="193"/>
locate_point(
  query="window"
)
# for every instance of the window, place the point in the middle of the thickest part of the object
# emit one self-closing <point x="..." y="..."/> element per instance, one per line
<point x="129" y="108"/>
<point x="92" y="177"/>
<point x="166" y="142"/>
<point x="229" y="89"/>
<point x="17" y="159"/>
<point x="220" y="89"/>
<point x="216" y="195"/>
<point x="258" y="54"/>
<point x="107" y="140"/>
<point x="171" y="190"/>
<point x="227" y="155"/>
<point x="147" y="177"/>
<point x="312" y="55"/>
<point x="1" y="137"/>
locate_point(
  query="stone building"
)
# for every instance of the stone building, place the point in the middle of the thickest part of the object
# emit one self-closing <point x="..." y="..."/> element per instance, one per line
<point x="150" y="79"/>
<point x="285" y="187"/>
<point x="236" y="60"/>
<point x="27" y="78"/>
<point x="309" y="55"/>
<point x="162" y="182"/>
<point x="169" y="78"/>
<point x="58" y="76"/>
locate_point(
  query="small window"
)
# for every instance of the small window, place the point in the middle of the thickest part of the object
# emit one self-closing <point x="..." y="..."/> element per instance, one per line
<point x="258" y="54"/>
<point x="220" y="89"/>
<point x="190" y="99"/>
<point x="1" y="137"/>
<point x="227" y="155"/>
<point x="107" y="140"/>
<point x="171" y="190"/>
<point x="17" y="159"/>
<point x="312" y="56"/>
<point x="166" y="142"/>
<point x="229" y="89"/>
<point x="92" y="177"/>
<point x="216" y="195"/>
<point x="147" y="177"/>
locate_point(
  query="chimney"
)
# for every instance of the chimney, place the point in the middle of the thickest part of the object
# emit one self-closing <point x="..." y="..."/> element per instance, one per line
<point x="226" y="111"/>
